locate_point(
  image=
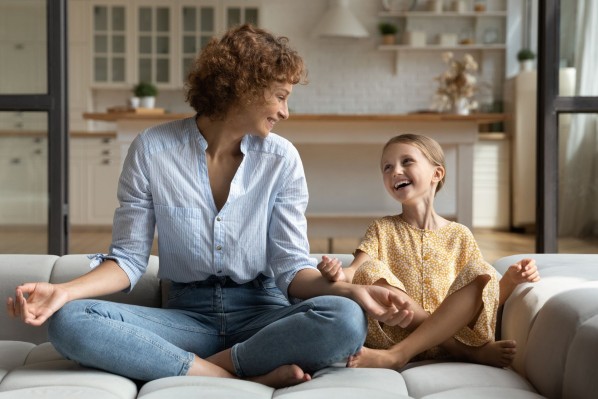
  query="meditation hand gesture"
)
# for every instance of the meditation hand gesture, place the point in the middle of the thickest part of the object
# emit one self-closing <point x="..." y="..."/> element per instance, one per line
<point x="36" y="302"/>
<point x="332" y="269"/>
<point x="384" y="305"/>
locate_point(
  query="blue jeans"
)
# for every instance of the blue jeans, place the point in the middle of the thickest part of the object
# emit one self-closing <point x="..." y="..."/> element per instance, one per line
<point x="204" y="318"/>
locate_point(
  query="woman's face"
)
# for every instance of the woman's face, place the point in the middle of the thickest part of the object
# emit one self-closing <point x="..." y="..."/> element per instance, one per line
<point x="261" y="117"/>
<point x="408" y="175"/>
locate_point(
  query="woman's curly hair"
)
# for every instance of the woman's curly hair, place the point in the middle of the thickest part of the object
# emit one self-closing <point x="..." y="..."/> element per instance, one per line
<point x="236" y="70"/>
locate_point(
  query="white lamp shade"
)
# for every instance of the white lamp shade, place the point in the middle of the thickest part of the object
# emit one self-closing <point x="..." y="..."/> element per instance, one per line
<point x="338" y="21"/>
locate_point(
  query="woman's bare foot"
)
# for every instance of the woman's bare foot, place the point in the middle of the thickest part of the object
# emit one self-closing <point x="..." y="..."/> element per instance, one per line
<point x="377" y="358"/>
<point x="283" y="376"/>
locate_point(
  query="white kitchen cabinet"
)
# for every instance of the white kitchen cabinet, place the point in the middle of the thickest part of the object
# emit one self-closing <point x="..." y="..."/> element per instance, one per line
<point x="492" y="182"/>
<point x="110" y="46"/>
<point x="23" y="179"/>
<point x="155" y="41"/>
<point x="95" y="167"/>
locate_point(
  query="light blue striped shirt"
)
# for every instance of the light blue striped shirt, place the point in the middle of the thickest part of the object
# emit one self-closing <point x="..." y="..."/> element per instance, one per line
<point x="164" y="183"/>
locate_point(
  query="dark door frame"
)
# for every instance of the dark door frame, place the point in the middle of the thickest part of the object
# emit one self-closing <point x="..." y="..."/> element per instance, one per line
<point x="550" y="105"/>
<point x="55" y="103"/>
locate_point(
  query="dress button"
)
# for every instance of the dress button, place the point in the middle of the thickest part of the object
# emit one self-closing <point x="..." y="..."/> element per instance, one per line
<point x="219" y="247"/>
<point x="426" y="257"/>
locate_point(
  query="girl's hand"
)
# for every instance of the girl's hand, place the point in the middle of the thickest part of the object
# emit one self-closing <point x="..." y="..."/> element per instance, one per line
<point x="332" y="269"/>
<point x="524" y="271"/>
<point x="34" y="303"/>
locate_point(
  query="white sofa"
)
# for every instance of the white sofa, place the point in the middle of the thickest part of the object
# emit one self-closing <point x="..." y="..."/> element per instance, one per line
<point x="554" y="321"/>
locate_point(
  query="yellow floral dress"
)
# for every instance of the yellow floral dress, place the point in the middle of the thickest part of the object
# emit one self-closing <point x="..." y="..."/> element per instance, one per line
<point x="428" y="265"/>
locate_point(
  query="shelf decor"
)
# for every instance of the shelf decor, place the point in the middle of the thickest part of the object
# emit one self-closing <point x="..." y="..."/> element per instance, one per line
<point x="457" y="85"/>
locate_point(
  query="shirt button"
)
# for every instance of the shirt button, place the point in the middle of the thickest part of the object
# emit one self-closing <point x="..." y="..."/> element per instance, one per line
<point x="218" y="218"/>
<point x="219" y="272"/>
<point x="219" y="247"/>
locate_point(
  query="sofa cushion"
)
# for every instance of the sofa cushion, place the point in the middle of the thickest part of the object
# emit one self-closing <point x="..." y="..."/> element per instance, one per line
<point x="348" y="383"/>
<point x="439" y="377"/>
<point x="13" y="354"/>
<point x="59" y="392"/>
<point x="484" y="392"/>
<point x="559" y="273"/>
<point x="23" y="269"/>
<point x="548" y="353"/>
<point x="203" y="387"/>
<point x="54" y="376"/>
<point x="146" y="292"/>
<point x="581" y="375"/>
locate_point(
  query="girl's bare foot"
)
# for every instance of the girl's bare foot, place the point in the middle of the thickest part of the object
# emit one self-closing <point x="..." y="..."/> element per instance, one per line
<point x="376" y="358"/>
<point x="495" y="353"/>
<point x="283" y="376"/>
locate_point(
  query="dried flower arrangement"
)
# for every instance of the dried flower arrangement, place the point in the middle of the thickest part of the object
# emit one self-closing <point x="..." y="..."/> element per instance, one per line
<point x="457" y="85"/>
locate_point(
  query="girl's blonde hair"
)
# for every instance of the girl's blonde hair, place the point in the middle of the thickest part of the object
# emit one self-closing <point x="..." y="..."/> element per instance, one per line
<point x="428" y="146"/>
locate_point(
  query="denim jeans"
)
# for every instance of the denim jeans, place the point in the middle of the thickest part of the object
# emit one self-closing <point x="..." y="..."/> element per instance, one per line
<point x="204" y="318"/>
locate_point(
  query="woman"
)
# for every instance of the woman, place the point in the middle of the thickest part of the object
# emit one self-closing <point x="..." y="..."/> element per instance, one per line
<point x="227" y="198"/>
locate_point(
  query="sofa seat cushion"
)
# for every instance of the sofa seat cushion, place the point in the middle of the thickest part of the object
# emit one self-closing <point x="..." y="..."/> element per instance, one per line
<point x="204" y="387"/>
<point x="484" y="392"/>
<point x="349" y="383"/>
<point x="55" y="375"/>
<point x="12" y="355"/>
<point x="59" y="392"/>
<point x="436" y="378"/>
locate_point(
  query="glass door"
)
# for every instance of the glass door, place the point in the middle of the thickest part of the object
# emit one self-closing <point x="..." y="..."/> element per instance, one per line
<point x="32" y="120"/>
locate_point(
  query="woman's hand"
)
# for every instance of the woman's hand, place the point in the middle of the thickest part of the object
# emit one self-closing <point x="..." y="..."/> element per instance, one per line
<point x="34" y="303"/>
<point x="332" y="269"/>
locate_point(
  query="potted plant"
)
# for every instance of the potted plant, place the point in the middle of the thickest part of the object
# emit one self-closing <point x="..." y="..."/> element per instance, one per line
<point x="526" y="58"/>
<point x="146" y="92"/>
<point x="388" y="32"/>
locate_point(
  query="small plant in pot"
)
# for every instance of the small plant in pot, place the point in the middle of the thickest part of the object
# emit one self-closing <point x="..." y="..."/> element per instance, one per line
<point x="526" y="59"/>
<point x="388" y="32"/>
<point x="146" y="92"/>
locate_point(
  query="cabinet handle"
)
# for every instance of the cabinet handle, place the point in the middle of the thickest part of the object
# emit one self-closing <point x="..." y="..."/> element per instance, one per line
<point x="15" y="161"/>
<point x="19" y="125"/>
<point x="105" y="140"/>
<point x="105" y="162"/>
<point x="106" y="152"/>
<point x="38" y="151"/>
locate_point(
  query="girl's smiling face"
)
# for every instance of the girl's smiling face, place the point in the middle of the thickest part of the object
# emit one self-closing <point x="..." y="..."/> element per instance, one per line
<point x="408" y="175"/>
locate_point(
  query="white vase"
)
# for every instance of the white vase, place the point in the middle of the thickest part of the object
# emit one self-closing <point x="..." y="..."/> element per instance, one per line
<point x="526" y="65"/>
<point x="134" y="102"/>
<point x="147" y="102"/>
<point x="461" y="106"/>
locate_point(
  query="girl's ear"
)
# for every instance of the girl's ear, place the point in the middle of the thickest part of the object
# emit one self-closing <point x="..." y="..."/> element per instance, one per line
<point x="438" y="174"/>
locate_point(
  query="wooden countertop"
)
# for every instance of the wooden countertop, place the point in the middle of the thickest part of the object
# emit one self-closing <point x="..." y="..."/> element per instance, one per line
<point x="480" y="118"/>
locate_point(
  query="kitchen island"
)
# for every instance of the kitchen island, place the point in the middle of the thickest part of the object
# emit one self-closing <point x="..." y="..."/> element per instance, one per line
<point x="341" y="155"/>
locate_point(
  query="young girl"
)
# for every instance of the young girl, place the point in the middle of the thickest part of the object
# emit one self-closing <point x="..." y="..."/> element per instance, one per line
<point x="451" y="293"/>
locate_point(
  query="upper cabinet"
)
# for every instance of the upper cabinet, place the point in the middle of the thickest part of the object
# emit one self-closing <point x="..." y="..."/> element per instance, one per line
<point x="156" y="41"/>
<point x="109" y="43"/>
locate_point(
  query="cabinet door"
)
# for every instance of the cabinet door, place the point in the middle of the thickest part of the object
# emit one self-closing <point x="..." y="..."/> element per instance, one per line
<point x="23" y="180"/>
<point x="154" y="44"/>
<point x="109" y="27"/>
<point x="95" y="168"/>
<point x="237" y="13"/>
<point x="197" y="27"/>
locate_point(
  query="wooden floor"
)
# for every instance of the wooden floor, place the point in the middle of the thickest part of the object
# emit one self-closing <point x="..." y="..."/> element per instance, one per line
<point x="493" y="244"/>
